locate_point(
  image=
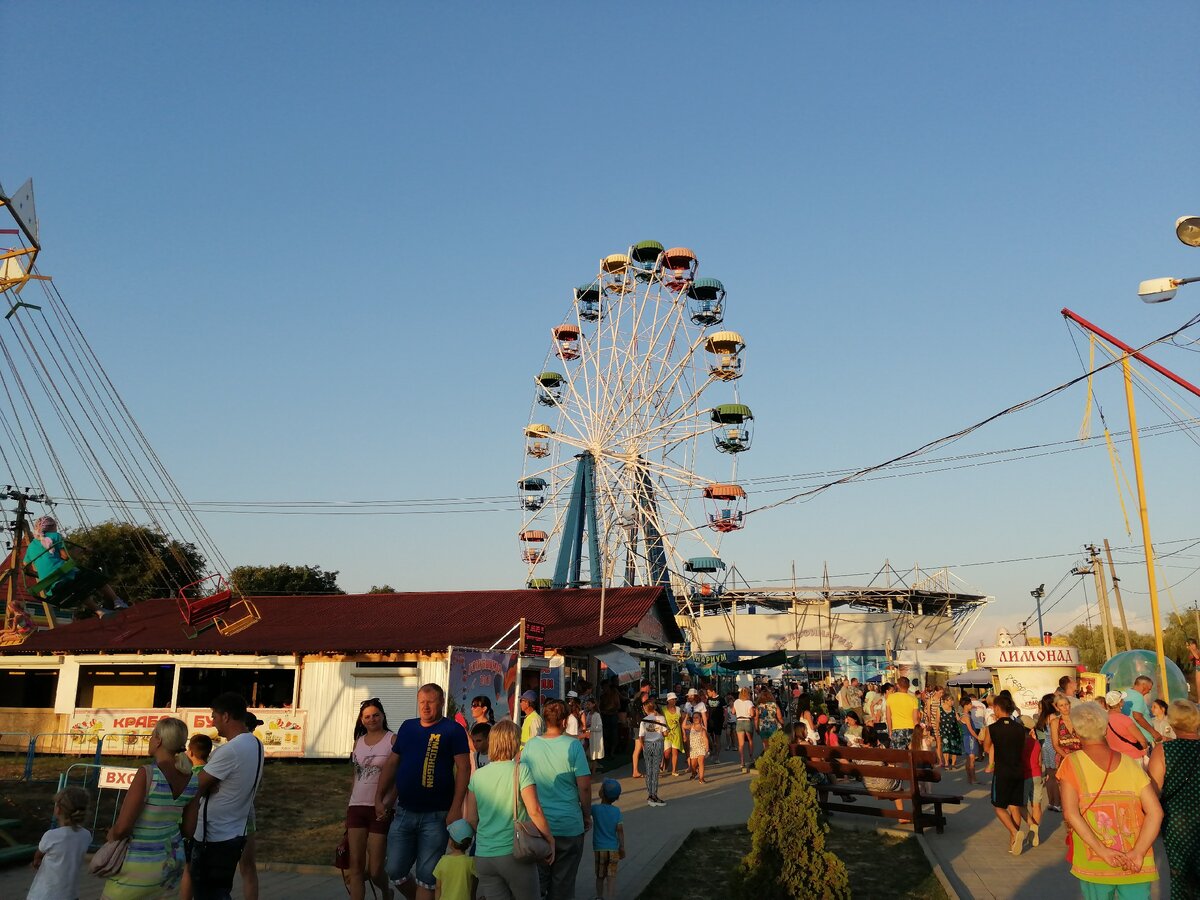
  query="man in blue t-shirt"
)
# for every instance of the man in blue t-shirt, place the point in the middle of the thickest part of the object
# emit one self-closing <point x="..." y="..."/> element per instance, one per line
<point x="426" y="775"/>
<point x="1139" y="711"/>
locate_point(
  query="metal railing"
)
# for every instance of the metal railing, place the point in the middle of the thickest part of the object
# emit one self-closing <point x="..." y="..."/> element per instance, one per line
<point x="106" y="802"/>
<point x="43" y="752"/>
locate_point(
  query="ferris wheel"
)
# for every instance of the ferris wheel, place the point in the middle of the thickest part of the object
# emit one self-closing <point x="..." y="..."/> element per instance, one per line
<point x="635" y="431"/>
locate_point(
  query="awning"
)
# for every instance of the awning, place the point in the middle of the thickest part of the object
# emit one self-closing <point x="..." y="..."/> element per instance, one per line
<point x="973" y="678"/>
<point x="620" y="663"/>
<point x="766" y="661"/>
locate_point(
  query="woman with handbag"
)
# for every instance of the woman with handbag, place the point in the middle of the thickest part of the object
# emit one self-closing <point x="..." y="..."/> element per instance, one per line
<point x="366" y="831"/>
<point x="150" y="816"/>
<point x="502" y="829"/>
<point x="1112" y="813"/>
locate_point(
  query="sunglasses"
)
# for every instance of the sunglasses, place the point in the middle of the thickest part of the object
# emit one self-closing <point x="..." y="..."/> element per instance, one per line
<point x="478" y="703"/>
<point x="374" y="701"/>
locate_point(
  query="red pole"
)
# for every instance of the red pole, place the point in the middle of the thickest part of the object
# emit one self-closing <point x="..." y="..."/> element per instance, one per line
<point x="1121" y="345"/>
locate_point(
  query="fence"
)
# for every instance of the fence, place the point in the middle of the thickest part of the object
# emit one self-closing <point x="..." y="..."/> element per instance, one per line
<point x="107" y="788"/>
<point x="48" y="748"/>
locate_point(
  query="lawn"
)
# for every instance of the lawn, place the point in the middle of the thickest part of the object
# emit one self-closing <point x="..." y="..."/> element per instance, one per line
<point x="880" y="865"/>
<point x="301" y="806"/>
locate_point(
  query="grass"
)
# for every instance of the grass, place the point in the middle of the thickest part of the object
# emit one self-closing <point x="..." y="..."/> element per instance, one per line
<point x="880" y="865"/>
<point x="301" y="807"/>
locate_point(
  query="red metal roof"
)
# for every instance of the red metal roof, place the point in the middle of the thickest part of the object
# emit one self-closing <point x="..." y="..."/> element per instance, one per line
<point x="347" y="623"/>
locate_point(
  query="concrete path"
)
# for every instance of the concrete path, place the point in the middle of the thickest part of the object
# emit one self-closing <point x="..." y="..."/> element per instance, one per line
<point x="973" y="851"/>
<point x="652" y="835"/>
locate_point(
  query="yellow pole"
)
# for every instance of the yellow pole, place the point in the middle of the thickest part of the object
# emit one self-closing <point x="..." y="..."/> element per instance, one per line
<point x="1151" y="581"/>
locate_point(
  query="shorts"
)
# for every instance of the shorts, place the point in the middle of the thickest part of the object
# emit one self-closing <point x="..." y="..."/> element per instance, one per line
<point x="606" y="863"/>
<point x="364" y="817"/>
<point x="1008" y="790"/>
<point x="745" y="726"/>
<point x="416" y="838"/>
<point x="1035" y="791"/>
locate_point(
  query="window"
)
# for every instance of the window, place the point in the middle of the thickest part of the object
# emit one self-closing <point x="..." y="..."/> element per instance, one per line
<point x="125" y="687"/>
<point x="28" y="688"/>
<point x="260" y="687"/>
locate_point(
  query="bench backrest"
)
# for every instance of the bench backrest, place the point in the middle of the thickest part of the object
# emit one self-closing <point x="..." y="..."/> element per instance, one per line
<point x="871" y="762"/>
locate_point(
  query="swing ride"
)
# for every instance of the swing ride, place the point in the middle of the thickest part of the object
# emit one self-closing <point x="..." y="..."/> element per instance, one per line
<point x="622" y="428"/>
<point x="56" y="394"/>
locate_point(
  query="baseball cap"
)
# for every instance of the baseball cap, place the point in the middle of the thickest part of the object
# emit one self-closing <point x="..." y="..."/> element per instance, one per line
<point x="530" y="696"/>
<point x="572" y="694"/>
<point x="461" y="830"/>
<point x="1113" y="698"/>
<point x="610" y="789"/>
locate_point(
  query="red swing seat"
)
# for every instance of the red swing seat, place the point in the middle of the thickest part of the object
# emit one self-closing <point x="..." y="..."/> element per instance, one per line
<point x="211" y="608"/>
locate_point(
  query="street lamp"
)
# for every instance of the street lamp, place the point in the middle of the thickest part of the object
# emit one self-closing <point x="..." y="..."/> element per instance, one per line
<point x="1187" y="229"/>
<point x="1160" y="290"/>
<point x="1037" y="594"/>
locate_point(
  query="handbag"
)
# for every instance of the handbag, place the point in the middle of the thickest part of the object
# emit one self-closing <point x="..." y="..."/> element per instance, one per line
<point x="1082" y="812"/>
<point x="341" y="853"/>
<point x="109" y="859"/>
<point x="528" y="843"/>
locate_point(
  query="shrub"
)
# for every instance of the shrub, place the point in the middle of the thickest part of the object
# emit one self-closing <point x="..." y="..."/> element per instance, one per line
<point x="787" y="858"/>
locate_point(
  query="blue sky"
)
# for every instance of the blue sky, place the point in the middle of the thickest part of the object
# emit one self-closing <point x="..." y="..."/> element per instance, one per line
<point x="320" y="250"/>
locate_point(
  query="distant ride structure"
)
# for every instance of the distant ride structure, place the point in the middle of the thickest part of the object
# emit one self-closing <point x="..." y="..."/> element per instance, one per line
<point x="69" y="439"/>
<point x="635" y="430"/>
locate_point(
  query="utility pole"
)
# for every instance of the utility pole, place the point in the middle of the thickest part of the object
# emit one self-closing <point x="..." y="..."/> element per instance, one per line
<point x="1037" y="594"/>
<point x="1110" y="640"/>
<point x="1112" y="570"/>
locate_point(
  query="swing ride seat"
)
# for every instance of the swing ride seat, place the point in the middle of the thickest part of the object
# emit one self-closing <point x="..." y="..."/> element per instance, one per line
<point x="68" y="585"/>
<point x="211" y="609"/>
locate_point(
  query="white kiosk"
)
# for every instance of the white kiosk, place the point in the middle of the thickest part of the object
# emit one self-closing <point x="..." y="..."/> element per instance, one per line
<point x="1028" y="672"/>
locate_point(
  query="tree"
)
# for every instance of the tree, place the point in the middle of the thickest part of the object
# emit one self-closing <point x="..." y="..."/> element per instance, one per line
<point x="284" y="579"/>
<point x="1090" y="641"/>
<point x="381" y="589"/>
<point x="787" y="856"/>
<point x="139" y="562"/>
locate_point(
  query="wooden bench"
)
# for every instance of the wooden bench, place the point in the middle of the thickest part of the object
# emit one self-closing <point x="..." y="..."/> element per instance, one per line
<point x="10" y="850"/>
<point x="912" y="767"/>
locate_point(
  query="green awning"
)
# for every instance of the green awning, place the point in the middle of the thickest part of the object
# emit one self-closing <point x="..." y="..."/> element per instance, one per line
<point x="766" y="661"/>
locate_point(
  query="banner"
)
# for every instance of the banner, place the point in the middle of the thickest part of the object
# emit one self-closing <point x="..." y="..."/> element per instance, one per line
<point x="126" y="731"/>
<point x="487" y="673"/>
<point x="550" y="686"/>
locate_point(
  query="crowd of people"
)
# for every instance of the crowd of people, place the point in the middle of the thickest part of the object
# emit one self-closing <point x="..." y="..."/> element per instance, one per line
<point x="186" y="821"/>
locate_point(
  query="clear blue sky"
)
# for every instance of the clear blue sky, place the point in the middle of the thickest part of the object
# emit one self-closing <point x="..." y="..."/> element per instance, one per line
<point x="320" y="248"/>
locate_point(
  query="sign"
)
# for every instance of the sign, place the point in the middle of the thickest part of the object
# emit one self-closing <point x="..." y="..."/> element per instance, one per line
<point x="533" y="638"/>
<point x="550" y="685"/>
<point x="116" y="777"/>
<point x="487" y="673"/>
<point x="127" y="731"/>
<point x="1015" y="657"/>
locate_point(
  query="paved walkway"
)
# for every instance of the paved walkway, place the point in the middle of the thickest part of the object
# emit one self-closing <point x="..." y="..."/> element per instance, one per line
<point x="652" y="835"/>
<point x="973" y="851"/>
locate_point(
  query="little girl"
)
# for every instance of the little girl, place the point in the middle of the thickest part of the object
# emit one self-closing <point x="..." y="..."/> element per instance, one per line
<point x="697" y="747"/>
<point x="1160" y="722"/>
<point x="60" y="853"/>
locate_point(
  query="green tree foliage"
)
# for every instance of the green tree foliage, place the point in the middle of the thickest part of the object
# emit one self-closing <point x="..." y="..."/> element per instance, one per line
<point x="139" y="562"/>
<point x="1090" y="640"/>
<point x="284" y="580"/>
<point x="787" y="857"/>
<point x="381" y="589"/>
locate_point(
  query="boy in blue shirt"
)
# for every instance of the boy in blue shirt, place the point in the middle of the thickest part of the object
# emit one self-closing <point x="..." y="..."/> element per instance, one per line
<point x="608" y="838"/>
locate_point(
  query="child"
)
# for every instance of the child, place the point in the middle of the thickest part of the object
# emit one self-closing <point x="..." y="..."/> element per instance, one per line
<point x="455" y="872"/>
<point x="1035" y="787"/>
<point x="730" y="723"/>
<point x="479" y="740"/>
<point x="199" y="748"/>
<point x="1160" y="723"/>
<point x="608" y="838"/>
<point x="697" y="747"/>
<point x="797" y="735"/>
<point x="60" y="853"/>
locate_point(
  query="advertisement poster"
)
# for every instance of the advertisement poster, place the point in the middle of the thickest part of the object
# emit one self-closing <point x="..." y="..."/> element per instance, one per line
<point x="126" y="731"/>
<point x="488" y="673"/>
<point x="551" y="685"/>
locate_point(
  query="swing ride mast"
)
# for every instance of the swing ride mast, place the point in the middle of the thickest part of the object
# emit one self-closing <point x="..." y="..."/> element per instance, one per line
<point x="1151" y="581"/>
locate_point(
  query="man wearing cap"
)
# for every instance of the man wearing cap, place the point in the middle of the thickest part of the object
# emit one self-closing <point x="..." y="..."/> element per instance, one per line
<point x="531" y="723"/>
<point x="1123" y="734"/>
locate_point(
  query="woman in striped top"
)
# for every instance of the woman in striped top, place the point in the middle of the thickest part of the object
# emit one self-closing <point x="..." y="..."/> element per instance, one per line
<point x="150" y="816"/>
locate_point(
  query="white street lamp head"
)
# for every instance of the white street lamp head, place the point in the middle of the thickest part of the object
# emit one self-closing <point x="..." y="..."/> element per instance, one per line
<point x="1158" y="290"/>
<point x="1187" y="229"/>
